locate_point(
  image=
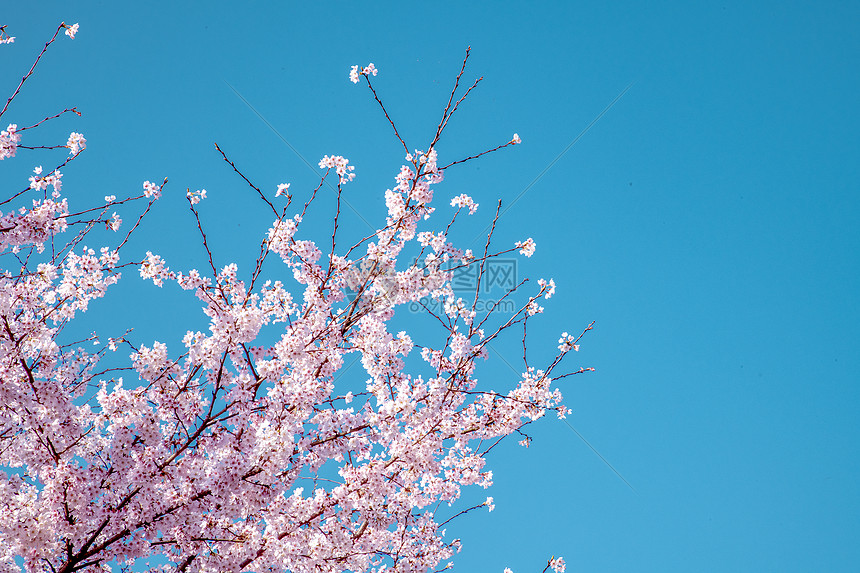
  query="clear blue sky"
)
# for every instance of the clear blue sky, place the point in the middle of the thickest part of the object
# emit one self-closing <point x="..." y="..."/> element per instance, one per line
<point x="708" y="222"/>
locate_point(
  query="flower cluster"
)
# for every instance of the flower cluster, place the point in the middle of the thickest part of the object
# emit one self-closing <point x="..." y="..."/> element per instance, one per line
<point x="76" y="143"/>
<point x="54" y="179"/>
<point x="355" y="74"/>
<point x="9" y="140"/>
<point x="33" y="226"/>
<point x="194" y="197"/>
<point x="548" y="288"/>
<point x="526" y="247"/>
<point x="151" y="190"/>
<point x="533" y="307"/>
<point x="114" y="223"/>
<point x="340" y="165"/>
<point x="566" y="343"/>
<point x="155" y="269"/>
<point x="71" y="30"/>
<point x="464" y="200"/>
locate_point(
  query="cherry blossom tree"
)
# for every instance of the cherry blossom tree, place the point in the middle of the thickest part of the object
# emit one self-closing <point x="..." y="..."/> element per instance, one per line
<point x="239" y="451"/>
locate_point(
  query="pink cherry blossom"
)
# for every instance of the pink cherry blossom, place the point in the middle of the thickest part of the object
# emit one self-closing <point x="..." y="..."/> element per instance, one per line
<point x="151" y="190"/>
<point x="548" y="288"/>
<point x="240" y="448"/>
<point x="341" y="167"/>
<point x="194" y="197"/>
<point x="76" y="143"/>
<point x="9" y="140"/>
<point x="355" y="73"/>
<point x="54" y="179"/>
<point x="114" y="223"/>
<point x="464" y="200"/>
<point x="566" y="343"/>
<point x="526" y="247"/>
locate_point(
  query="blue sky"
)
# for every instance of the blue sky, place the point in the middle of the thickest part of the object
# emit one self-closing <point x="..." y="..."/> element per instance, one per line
<point x="707" y="222"/>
